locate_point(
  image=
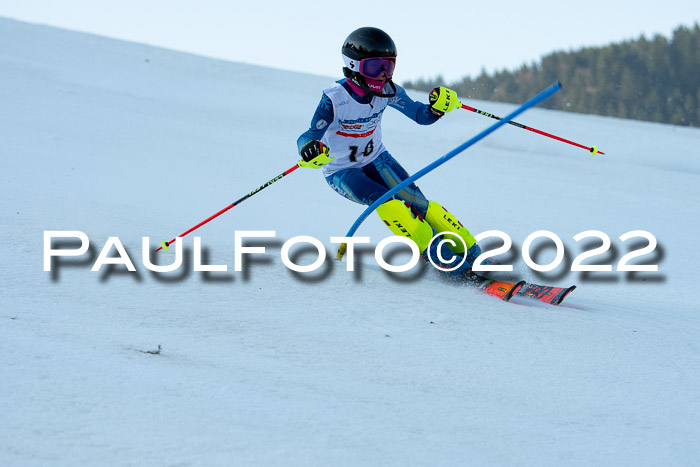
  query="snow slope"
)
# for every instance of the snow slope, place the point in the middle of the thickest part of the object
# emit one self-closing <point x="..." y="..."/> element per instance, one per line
<point x="267" y="367"/>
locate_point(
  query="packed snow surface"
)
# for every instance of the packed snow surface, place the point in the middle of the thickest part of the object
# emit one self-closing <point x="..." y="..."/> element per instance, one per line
<point x="265" y="366"/>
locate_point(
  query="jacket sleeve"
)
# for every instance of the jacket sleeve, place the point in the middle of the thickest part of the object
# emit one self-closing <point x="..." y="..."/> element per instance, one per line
<point x="416" y="111"/>
<point x="319" y="123"/>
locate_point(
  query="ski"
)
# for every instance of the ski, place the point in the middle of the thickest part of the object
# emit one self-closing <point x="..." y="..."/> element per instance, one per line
<point x="499" y="289"/>
<point x="507" y="290"/>
<point x="545" y="293"/>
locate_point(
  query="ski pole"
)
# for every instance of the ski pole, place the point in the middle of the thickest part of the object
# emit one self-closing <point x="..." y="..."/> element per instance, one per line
<point x="593" y="149"/>
<point x="166" y="245"/>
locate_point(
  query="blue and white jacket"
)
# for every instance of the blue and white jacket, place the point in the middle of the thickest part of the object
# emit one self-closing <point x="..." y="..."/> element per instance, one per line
<point x="350" y="125"/>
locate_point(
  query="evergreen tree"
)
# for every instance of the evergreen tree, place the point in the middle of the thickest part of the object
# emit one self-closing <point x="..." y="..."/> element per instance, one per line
<point x="656" y="80"/>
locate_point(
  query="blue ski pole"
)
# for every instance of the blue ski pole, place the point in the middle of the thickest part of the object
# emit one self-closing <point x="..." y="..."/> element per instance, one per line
<point x="430" y="167"/>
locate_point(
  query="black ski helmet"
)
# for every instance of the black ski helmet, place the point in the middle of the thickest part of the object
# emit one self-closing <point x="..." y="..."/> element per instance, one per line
<point x="365" y="43"/>
<point x="368" y="42"/>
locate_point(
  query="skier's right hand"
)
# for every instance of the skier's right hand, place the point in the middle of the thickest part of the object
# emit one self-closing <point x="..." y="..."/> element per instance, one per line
<point x="314" y="155"/>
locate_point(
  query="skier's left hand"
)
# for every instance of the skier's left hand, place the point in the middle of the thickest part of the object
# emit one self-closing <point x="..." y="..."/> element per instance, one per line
<point x="443" y="100"/>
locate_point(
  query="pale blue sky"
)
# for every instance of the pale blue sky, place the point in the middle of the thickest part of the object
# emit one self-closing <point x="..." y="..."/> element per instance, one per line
<point x="454" y="38"/>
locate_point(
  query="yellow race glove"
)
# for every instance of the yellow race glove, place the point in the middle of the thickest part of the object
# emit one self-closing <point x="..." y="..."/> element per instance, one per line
<point x="314" y="155"/>
<point x="443" y="100"/>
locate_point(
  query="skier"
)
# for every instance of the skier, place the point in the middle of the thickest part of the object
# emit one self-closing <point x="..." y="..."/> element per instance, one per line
<point x="345" y="139"/>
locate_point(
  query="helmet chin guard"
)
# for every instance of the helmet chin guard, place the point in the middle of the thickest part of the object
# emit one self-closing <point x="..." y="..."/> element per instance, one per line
<point x="359" y="81"/>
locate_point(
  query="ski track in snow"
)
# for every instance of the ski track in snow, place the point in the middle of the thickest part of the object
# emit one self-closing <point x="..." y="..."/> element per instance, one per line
<point x="268" y="367"/>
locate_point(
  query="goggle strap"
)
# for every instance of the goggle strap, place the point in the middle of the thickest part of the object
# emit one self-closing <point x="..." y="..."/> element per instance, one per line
<point x="351" y="63"/>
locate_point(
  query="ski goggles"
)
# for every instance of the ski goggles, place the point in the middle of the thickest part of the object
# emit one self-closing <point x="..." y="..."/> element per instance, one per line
<point x="372" y="67"/>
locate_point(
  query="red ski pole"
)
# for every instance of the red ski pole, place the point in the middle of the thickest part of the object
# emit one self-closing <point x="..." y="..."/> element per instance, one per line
<point x="166" y="245"/>
<point x="593" y="149"/>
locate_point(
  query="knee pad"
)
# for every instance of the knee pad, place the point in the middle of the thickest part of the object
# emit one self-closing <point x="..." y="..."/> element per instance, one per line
<point x="397" y="215"/>
<point x="441" y="220"/>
